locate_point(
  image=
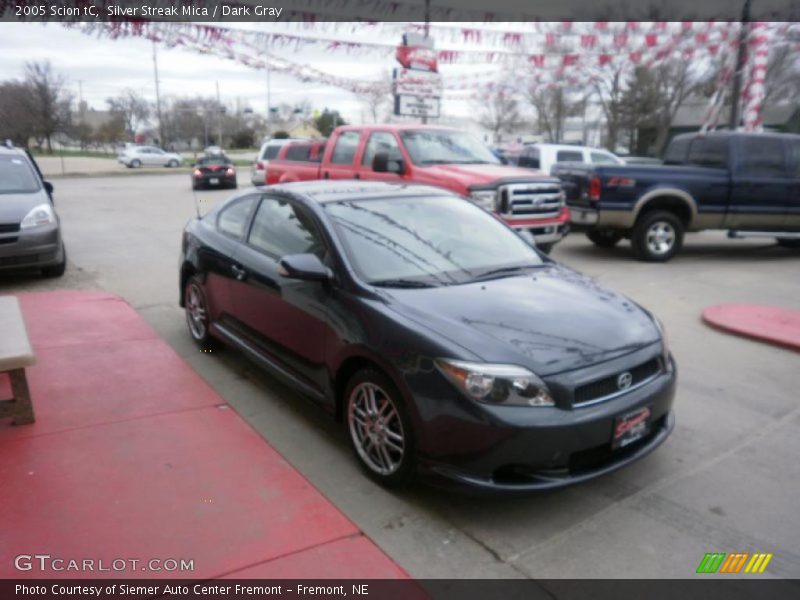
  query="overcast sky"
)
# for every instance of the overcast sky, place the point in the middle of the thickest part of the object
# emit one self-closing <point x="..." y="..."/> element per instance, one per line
<point x="104" y="67"/>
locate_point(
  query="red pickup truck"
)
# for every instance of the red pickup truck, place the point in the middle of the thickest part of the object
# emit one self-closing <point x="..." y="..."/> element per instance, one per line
<point x="443" y="157"/>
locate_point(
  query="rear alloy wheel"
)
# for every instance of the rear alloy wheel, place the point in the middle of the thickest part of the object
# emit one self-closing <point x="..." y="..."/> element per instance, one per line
<point x="604" y="238"/>
<point x="379" y="429"/>
<point x="136" y="163"/>
<point x="657" y="236"/>
<point x="197" y="317"/>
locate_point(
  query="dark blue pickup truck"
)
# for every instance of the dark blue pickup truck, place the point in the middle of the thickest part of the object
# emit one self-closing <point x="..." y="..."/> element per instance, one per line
<point x="747" y="183"/>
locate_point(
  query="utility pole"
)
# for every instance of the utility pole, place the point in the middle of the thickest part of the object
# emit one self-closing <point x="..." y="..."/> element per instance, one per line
<point x="741" y="59"/>
<point x="269" y="104"/>
<point x="427" y="34"/>
<point x="158" y="98"/>
<point x="219" y="118"/>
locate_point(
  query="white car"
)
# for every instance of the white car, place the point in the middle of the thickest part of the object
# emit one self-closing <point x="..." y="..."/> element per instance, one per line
<point x="148" y="156"/>
<point x="544" y="156"/>
<point x="268" y="150"/>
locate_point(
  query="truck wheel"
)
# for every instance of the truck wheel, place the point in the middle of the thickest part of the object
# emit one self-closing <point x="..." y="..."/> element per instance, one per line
<point x="605" y="238"/>
<point x="788" y="242"/>
<point x="657" y="236"/>
<point x="546" y="248"/>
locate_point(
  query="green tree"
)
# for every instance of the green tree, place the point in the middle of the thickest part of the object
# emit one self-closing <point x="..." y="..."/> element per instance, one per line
<point x="327" y="121"/>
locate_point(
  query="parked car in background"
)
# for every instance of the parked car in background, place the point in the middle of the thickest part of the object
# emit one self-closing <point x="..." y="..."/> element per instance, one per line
<point x="268" y="151"/>
<point x="544" y="156"/>
<point x="30" y="230"/>
<point x="746" y="183"/>
<point x="448" y="345"/>
<point x="443" y="157"/>
<point x="214" y="171"/>
<point x="134" y="157"/>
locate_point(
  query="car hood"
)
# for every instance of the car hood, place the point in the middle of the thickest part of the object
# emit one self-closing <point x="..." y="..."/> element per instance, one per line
<point x="484" y="174"/>
<point x="551" y="320"/>
<point x="14" y="207"/>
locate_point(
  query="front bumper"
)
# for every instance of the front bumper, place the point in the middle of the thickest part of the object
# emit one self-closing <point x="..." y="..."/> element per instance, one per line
<point x="489" y="449"/>
<point x="31" y="249"/>
<point x="545" y="231"/>
<point x="584" y="216"/>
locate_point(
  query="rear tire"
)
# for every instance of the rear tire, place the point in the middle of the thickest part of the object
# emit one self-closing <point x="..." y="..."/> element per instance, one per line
<point x="657" y="236"/>
<point x="604" y="238"/>
<point x="379" y="429"/>
<point x="788" y="242"/>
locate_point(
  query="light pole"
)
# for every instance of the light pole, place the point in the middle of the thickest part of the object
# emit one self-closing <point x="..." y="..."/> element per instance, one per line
<point x="158" y="98"/>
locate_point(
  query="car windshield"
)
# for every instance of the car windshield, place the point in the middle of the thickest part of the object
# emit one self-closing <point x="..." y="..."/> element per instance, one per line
<point x="16" y="176"/>
<point x="417" y="242"/>
<point x="442" y="146"/>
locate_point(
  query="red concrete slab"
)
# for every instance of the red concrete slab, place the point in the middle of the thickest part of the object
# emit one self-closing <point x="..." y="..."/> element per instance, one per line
<point x="198" y="485"/>
<point x="134" y="457"/>
<point x="69" y="317"/>
<point x="104" y="382"/>
<point x="349" y="558"/>
<point x="771" y="324"/>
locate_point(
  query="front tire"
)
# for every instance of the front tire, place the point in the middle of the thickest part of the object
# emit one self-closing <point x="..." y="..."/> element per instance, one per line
<point x="379" y="429"/>
<point x="136" y="163"/>
<point x="197" y="314"/>
<point x="172" y="164"/>
<point x="657" y="236"/>
<point x="604" y="238"/>
<point x="788" y="242"/>
<point x="546" y="248"/>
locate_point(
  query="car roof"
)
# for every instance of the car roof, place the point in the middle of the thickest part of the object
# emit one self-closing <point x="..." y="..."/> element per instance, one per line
<point x="729" y="133"/>
<point x="566" y="147"/>
<point x="325" y="191"/>
<point x="397" y="127"/>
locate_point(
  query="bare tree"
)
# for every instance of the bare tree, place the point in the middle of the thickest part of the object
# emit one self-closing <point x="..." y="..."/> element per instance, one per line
<point x="378" y="97"/>
<point x="49" y="102"/>
<point x="553" y="106"/>
<point x="132" y="108"/>
<point x="17" y="122"/>
<point x="782" y="82"/>
<point x="499" y="112"/>
<point x="609" y="87"/>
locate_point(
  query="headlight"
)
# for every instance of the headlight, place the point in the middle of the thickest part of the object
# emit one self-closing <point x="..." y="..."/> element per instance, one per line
<point x="497" y="384"/>
<point x="38" y="216"/>
<point x="664" y="343"/>
<point x="486" y="199"/>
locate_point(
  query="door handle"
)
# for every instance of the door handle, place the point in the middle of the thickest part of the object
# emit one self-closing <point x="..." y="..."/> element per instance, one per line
<point x="239" y="272"/>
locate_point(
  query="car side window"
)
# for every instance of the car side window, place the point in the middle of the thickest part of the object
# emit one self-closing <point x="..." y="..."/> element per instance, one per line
<point x="232" y="220"/>
<point x="345" y="149"/>
<point x="270" y="151"/>
<point x="601" y="158"/>
<point x="764" y="156"/>
<point x="710" y="152"/>
<point x="530" y="158"/>
<point x="381" y="141"/>
<point x="280" y="228"/>
<point x="569" y="156"/>
<point x="676" y="152"/>
<point x="299" y="152"/>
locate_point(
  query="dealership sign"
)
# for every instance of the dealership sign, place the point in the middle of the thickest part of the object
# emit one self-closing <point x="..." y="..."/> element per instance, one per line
<point x="417" y="84"/>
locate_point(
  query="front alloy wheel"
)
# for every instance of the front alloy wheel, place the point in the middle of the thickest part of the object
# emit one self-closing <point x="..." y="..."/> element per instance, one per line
<point x="379" y="429"/>
<point x="197" y="313"/>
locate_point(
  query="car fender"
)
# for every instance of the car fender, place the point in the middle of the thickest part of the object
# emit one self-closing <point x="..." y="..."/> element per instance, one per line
<point x="663" y="192"/>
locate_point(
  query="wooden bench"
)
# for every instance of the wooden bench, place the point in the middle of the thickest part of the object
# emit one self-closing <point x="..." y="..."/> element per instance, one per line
<point x="15" y="355"/>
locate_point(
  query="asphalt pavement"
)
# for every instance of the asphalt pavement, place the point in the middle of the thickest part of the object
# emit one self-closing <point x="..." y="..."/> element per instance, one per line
<point x="726" y="481"/>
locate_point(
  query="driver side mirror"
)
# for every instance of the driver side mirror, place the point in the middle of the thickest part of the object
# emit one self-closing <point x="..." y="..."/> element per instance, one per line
<point x="381" y="163"/>
<point x="48" y="187"/>
<point x="305" y="267"/>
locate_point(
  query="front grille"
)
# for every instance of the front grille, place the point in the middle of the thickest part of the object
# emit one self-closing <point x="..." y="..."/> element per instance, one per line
<point x="531" y="199"/>
<point x="26" y="259"/>
<point x="596" y="390"/>
<point x="9" y="240"/>
<point x="9" y="227"/>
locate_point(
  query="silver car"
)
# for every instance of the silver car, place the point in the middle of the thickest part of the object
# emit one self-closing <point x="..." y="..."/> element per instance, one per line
<point x="268" y="151"/>
<point x="30" y="231"/>
<point x="134" y="157"/>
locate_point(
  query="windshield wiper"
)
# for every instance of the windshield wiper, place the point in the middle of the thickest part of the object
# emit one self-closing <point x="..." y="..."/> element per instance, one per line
<point x="499" y="272"/>
<point x="402" y="283"/>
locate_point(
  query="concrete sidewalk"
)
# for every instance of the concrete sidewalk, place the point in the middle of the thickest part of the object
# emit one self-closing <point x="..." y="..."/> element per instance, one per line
<point x="134" y="457"/>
